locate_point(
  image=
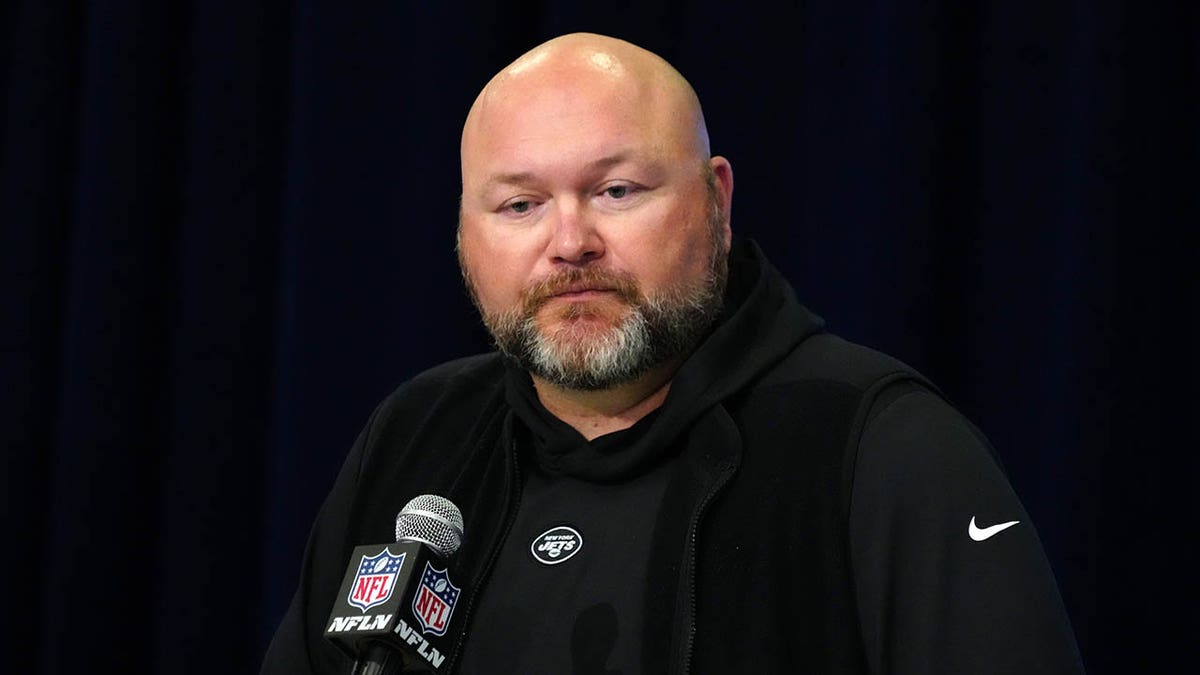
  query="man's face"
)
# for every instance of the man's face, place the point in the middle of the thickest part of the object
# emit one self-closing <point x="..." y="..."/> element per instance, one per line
<point x="592" y="236"/>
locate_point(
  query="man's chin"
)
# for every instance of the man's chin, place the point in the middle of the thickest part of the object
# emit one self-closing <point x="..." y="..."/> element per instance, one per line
<point x="578" y="333"/>
<point x="587" y="317"/>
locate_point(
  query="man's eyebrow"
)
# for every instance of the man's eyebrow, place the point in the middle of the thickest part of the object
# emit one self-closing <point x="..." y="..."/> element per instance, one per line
<point x="509" y="178"/>
<point x="516" y="178"/>
<point x="611" y="160"/>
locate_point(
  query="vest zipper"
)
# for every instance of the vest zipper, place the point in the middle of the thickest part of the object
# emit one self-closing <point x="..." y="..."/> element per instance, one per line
<point x="692" y="540"/>
<point x="515" y="502"/>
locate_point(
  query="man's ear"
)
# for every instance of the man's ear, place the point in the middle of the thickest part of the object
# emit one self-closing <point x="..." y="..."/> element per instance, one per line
<point x="723" y="171"/>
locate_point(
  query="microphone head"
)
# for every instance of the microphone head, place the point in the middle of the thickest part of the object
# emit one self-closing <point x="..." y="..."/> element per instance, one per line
<point x="432" y="520"/>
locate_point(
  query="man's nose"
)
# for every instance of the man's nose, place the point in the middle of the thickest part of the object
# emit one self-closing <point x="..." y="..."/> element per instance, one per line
<point x="575" y="240"/>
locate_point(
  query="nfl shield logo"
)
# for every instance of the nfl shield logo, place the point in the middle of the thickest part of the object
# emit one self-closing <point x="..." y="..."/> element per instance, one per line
<point x="376" y="579"/>
<point x="434" y="600"/>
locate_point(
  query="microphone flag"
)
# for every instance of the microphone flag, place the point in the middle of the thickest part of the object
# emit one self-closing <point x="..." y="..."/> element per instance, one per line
<point x="399" y="594"/>
<point x="434" y="600"/>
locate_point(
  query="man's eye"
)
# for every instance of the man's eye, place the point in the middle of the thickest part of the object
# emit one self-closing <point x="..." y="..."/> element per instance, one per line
<point x="519" y="207"/>
<point x="617" y="191"/>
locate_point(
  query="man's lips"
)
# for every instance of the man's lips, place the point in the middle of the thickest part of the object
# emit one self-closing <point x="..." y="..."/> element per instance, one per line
<point x="579" y="295"/>
<point x="583" y="294"/>
<point x="581" y="291"/>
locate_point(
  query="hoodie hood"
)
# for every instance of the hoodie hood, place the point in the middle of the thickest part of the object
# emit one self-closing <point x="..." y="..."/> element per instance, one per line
<point x="761" y="323"/>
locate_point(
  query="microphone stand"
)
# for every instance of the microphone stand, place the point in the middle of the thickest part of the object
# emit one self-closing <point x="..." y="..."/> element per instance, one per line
<point x="379" y="658"/>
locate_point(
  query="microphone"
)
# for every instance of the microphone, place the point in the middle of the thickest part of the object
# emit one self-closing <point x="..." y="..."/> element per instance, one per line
<point x="394" y="612"/>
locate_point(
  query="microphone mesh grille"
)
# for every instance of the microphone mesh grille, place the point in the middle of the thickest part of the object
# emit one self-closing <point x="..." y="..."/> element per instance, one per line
<point x="432" y="520"/>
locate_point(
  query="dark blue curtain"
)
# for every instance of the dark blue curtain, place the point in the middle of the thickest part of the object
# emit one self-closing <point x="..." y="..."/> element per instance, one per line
<point x="226" y="231"/>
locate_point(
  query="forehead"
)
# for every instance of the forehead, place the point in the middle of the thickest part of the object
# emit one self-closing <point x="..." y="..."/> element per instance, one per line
<point x="570" y="113"/>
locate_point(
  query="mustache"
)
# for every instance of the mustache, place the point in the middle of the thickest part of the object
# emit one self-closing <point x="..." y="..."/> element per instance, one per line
<point x="576" y="279"/>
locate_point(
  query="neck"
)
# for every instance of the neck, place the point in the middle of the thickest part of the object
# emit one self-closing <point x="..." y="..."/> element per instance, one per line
<point x="595" y="413"/>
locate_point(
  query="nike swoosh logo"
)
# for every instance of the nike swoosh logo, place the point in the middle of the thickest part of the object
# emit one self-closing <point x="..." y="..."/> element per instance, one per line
<point x="979" y="534"/>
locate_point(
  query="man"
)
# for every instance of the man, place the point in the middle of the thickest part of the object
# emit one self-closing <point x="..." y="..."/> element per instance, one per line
<point x="669" y="465"/>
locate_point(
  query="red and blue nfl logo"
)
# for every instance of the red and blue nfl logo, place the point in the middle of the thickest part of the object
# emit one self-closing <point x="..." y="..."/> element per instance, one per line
<point x="375" y="580"/>
<point x="434" y="600"/>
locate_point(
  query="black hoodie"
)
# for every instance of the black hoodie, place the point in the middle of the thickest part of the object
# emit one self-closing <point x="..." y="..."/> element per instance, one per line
<point x="820" y="515"/>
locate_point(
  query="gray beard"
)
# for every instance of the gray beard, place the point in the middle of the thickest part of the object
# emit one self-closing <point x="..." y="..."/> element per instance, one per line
<point x="652" y="331"/>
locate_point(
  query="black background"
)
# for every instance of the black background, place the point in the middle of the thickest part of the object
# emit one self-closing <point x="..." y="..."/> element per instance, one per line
<point x="226" y="231"/>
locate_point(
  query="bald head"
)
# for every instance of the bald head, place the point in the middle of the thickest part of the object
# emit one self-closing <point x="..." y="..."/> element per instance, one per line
<point x="586" y="73"/>
<point x="594" y="224"/>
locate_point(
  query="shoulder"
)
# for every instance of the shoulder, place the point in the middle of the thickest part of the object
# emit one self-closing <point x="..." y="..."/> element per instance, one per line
<point x="907" y="433"/>
<point x="843" y="380"/>
<point x="826" y="357"/>
<point x="891" y="424"/>
<point x="466" y="378"/>
<point x="914" y="438"/>
<point x="459" y="371"/>
<point x="440" y="397"/>
<point x="923" y="470"/>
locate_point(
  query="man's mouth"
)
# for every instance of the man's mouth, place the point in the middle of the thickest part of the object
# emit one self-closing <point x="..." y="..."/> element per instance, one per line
<point x="581" y="292"/>
<point x="580" y="288"/>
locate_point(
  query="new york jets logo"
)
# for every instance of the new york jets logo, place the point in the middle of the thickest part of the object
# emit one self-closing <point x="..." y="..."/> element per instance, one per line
<point x="556" y="545"/>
